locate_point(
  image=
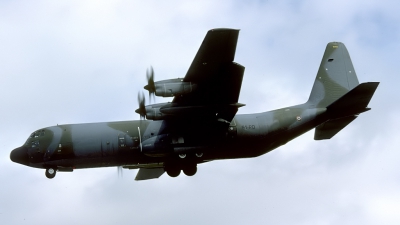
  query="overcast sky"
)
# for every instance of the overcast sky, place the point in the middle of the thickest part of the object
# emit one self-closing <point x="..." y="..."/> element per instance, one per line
<point x="85" y="61"/>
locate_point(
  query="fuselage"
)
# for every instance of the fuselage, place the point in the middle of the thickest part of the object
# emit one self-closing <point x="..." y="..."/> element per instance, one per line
<point x="144" y="142"/>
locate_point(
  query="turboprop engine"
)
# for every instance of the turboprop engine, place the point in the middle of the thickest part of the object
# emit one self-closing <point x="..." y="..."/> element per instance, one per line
<point x="167" y="88"/>
<point x="150" y="112"/>
<point x="171" y="87"/>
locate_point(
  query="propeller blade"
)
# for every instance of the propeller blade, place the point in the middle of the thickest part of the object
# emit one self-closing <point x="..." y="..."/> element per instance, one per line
<point x="120" y="174"/>
<point x="150" y="82"/>
<point x="142" y="106"/>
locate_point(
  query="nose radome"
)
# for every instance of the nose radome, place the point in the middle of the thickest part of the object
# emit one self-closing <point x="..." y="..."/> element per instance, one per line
<point x="20" y="155"/>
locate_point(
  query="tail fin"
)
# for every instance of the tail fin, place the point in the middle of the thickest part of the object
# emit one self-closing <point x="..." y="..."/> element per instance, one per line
<point x="337" y="89"/>
<point x="335" y="77"/>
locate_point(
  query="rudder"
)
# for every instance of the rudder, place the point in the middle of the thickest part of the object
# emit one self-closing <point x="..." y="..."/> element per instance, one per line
<point x="336" y="76"/>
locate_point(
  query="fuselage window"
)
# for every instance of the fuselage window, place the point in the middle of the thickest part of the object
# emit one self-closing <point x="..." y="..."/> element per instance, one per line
<point x="121" y="142"/>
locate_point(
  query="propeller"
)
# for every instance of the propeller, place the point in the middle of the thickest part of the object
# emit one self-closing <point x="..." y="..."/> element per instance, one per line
<point x="142" y="106"/>
<point x="150" y="82"/>
<point x="120" y="174"/>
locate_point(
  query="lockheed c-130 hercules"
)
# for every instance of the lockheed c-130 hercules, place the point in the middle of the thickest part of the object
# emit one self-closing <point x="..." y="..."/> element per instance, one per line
<point x="200" y="124"/>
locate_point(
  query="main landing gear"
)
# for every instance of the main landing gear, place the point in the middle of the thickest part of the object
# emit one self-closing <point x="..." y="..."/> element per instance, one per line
<point x="50" y="172"/>
<point x="173" y="172"/>
<point x="188" y="170"/>
<point x="188" y="166"/>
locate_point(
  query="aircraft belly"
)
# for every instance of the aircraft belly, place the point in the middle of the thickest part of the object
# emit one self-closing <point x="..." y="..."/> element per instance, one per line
<point x="115" y="144"/>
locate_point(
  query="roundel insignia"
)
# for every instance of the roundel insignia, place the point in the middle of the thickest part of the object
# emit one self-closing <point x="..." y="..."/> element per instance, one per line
<point x="298" y="118"/>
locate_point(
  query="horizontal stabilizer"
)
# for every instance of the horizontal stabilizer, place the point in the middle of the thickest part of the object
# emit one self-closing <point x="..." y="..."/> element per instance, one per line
<point x="354" y="101"/>
<point x="146" y="174"/>
<point x="331" y="127"/>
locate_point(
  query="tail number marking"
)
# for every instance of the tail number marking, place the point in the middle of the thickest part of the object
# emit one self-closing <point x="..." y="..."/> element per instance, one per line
<point x="248" y="127"/>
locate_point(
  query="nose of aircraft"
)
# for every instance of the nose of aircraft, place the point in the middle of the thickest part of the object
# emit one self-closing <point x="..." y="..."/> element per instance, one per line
<point x="20" y="155"/>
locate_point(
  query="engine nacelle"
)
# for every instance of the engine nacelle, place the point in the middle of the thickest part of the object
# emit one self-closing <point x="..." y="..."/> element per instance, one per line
<point x="173" y="87"/>
<point x="153" y="112"/>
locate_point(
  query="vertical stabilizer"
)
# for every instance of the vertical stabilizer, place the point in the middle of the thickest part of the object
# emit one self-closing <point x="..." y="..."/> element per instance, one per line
<point x="335" y="77"/>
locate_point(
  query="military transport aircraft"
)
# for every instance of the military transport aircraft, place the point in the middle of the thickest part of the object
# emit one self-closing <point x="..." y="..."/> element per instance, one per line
<point x="200" y="124"/>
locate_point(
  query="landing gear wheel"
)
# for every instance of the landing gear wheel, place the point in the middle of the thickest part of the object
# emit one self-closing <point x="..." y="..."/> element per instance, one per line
<point x="190" y="170"/>
<point x="182" y="156"/>
<point x="50" y="173"/>
<point x="173" y="172"/>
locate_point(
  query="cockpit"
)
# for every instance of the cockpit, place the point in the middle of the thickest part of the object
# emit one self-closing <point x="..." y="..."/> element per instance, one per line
<point x="33" y="140"/>
<point x="37" y="134"/>
<point x="34" y="148"/>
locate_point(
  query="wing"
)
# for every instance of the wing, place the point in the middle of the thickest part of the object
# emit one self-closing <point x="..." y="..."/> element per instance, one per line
<point x="217" y="77"/>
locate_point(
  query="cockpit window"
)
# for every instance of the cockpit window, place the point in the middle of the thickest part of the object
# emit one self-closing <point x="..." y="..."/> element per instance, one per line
<point x="35" y="144"/>
<point x="37" y="134"/>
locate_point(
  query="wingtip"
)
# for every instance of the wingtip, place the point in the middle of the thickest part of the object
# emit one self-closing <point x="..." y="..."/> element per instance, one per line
<point x="335" y="44"/>
<point x="224" y="29"/>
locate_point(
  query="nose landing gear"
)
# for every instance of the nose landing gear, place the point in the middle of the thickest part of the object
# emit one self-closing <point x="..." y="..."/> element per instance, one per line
<point x="50" y="173"/>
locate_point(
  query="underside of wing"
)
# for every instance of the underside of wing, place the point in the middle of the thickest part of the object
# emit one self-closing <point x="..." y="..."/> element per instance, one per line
<point x="210" y="89"/>
<point x="218" y="79"/>
<point x="218" y="47"/>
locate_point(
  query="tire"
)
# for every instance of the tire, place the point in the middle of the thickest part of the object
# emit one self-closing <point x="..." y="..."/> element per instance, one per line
<point x="51" y="173"/>
<point x="173" y="172"/>
<point x="190" y="170"/>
